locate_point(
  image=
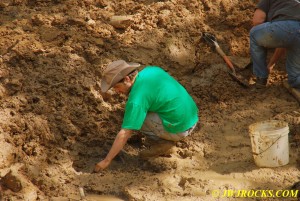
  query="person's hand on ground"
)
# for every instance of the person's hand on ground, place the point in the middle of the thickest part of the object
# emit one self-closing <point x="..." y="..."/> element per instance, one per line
<point x="278" y="53"/>
<point x="101" y="165"/>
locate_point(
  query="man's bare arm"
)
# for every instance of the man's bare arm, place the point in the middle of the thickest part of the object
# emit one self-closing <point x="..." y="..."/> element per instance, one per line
<point x="117" y="146"/>
<point x="259" y="17"/>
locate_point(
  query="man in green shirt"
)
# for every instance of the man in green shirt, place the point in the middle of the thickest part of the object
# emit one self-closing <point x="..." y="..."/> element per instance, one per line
<point x="157" y="105"/>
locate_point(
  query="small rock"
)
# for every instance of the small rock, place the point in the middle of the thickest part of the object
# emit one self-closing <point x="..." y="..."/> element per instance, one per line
<point x="11" y="182"/>
<point x="91" y="22"/>
<point x="121" y="22"/>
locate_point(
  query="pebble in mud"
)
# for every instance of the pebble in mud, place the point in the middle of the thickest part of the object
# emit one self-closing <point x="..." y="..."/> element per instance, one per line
<point x="11" y="182"/>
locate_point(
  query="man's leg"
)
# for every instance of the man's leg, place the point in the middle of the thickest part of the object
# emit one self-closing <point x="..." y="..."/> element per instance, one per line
<point x="293" y="55"/>
<point x="153" y="129"/>
<point x="161" y="140"/>
<point x="258" y="51"/>
<point x="263" y="36"/>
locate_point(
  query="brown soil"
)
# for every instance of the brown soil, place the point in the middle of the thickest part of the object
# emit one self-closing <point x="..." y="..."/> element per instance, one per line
<point x="55" y="125"/>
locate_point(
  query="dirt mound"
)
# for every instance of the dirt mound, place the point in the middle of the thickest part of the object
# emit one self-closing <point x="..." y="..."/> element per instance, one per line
<point x="55" y="124"/>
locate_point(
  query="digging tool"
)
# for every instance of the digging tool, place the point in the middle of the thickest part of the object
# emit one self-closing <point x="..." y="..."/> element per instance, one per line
<point x="211" y="40"/>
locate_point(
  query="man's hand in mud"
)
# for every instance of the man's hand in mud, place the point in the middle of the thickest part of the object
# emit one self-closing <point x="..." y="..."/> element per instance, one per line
<point x="270" y="67"/>
<point x="101" y="165"/>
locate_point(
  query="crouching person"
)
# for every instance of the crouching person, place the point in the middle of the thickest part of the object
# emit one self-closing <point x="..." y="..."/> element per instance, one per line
<point x="157" y="105"/>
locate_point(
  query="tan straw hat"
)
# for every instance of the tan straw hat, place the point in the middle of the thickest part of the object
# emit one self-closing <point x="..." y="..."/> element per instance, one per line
<point x="115" y="72"/>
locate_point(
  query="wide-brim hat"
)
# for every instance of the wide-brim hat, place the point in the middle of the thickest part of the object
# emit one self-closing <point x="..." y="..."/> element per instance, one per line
<point x="115" y="72"/>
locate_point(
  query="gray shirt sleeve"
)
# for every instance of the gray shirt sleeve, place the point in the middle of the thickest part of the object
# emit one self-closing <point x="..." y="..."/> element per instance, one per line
<point x="280" y="9"/>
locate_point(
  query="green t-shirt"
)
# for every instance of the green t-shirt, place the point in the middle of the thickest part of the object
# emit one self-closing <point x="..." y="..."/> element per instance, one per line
<point x="154" y="90"/>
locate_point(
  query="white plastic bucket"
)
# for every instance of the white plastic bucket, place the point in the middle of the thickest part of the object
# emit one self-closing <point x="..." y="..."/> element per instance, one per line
<point x="269" y="140"/>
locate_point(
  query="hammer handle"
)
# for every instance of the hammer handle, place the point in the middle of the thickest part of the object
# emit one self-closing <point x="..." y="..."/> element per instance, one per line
<point x="226" y="59"/>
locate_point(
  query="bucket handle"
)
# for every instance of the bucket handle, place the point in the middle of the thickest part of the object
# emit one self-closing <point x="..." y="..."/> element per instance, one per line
<point x="268" y="147"/>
